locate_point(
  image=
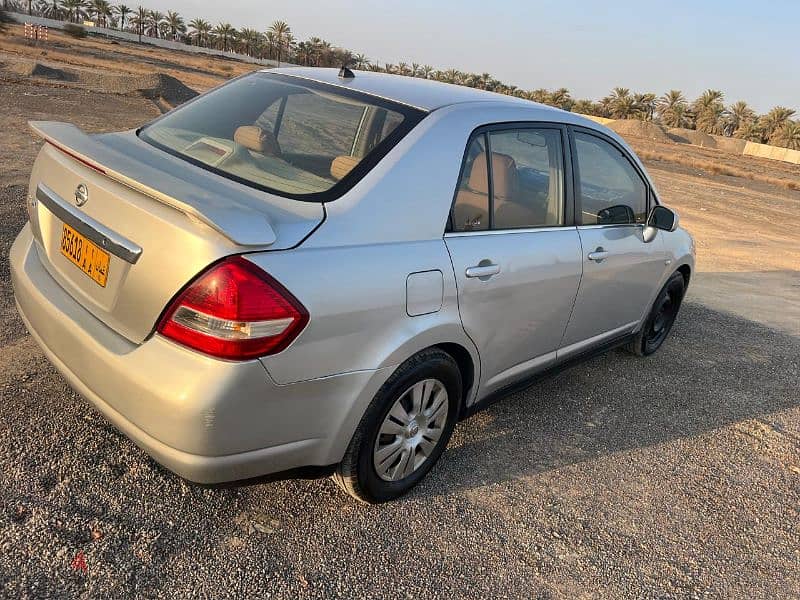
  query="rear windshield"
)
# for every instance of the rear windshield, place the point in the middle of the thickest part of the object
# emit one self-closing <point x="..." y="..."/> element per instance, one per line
<point x="283" y="134"/>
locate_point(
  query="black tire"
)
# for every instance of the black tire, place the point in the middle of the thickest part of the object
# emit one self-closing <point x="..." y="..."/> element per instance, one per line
<point x="662" y="316"/>
<point x="356" y="474"/>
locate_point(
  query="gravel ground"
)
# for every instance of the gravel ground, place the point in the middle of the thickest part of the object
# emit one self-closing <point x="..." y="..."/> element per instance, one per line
<point x="676" y="476"/>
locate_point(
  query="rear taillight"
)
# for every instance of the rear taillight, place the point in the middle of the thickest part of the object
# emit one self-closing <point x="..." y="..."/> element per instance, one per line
<point x="234" y="311"/>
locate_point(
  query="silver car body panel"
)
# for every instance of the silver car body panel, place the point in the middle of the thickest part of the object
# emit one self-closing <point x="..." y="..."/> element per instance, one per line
<point x="379" y="277"/>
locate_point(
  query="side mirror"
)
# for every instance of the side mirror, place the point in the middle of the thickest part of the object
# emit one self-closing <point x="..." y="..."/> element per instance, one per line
<point x="662" y="218"/>
<point x="619" y="214"/>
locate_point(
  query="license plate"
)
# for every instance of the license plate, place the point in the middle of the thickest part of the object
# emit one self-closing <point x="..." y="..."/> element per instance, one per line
<point x="84" y="254"/>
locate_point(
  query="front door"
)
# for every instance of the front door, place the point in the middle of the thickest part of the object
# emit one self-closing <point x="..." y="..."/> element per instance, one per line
<point x="621" y="272"/>
<point x="517" y="264"/>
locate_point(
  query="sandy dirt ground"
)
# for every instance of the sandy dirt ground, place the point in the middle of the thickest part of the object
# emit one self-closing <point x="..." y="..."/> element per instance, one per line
<point x="748" y="251"/>
<point x="195" y="70"/>
<point x="676" y="476"/>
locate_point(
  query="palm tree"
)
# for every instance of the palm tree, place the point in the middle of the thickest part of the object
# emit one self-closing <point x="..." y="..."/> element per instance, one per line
<point x="123" y="11"/>
<point x="305" y="53"/>
<point x="325" y="53"/>
<point x="289" y="45"/>
<point x="139" y="21"/>
<point x="751" y="131"/>
<point x="739" y="115"/>
<point x="561" y="99"/>
<point x="200" y="31"/>
<point x="175" y="23"/>
<point x="450" y="76"/>
<point x="52" y="10"/>
<point x="426" y="71"/>
<point x="101" y="10"/>
<point x="645" y="105"/>
<point x="622" y="104"/>
<point x="774" y="120"/>
<point x="710" y="112"/>
<point x="271" y="42"/>
<point x="673" y="109"/>
<point x="540" y="95"/>
<point x="153" y="23"/>
<point x="225" y="34"/>
<point x="788" y="135"/>
<point x="585" y="107"/>
<point x="360" y="61"/>
<point x="75" y="9"/>
<point x="280" y="29"/>
<point x="249" y="40"/>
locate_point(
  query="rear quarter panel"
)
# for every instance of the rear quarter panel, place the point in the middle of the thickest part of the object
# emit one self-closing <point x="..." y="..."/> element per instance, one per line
<point x="356" y="298"/>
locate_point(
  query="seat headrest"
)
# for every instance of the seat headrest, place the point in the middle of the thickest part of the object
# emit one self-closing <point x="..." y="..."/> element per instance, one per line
<point x="504" y="175"/>
<point x="257" y="139"/>
<point x="342" y="165"/>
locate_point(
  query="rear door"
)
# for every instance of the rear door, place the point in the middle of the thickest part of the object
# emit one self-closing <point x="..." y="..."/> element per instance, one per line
<point x="620" y="271"/>
<point x="515" y="250"/>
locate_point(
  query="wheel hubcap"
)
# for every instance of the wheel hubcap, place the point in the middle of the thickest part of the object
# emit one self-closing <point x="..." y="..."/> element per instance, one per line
<point x="411" y="430"/>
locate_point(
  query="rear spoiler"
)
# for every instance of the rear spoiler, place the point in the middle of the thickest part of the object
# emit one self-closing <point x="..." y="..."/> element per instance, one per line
<point x="236" y="216"/>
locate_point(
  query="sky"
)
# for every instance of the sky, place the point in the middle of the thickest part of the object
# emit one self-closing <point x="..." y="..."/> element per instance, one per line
<point x="748" y="49"/>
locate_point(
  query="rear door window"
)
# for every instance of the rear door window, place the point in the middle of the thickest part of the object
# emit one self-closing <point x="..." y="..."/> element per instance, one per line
<point x="511" y="179"/>
<point x="527" y="178"/>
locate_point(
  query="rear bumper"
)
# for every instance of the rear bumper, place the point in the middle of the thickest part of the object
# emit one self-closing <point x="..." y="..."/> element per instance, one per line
<point x="208" y="420"/>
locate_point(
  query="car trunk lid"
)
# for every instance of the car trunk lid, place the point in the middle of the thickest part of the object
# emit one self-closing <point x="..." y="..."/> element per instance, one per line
<point x="151" y="221"/>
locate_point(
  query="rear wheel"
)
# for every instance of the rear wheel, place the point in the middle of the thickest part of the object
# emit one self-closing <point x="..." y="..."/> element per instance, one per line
<point x="662" y="316"/>
<point x="404" y="430"/>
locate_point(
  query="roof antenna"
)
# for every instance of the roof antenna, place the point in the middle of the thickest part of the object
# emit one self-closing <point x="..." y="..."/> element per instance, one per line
<point x="345" y="72"/>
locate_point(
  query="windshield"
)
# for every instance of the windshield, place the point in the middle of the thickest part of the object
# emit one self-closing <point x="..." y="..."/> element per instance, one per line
<point x="283" y="134"/>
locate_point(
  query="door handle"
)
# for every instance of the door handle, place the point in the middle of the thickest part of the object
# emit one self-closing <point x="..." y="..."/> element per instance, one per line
<point x="599" y="255"/>
<point x="482" y="271"/>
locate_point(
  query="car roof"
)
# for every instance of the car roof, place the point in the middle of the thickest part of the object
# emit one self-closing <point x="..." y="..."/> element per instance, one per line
<point x="413" y="91"/>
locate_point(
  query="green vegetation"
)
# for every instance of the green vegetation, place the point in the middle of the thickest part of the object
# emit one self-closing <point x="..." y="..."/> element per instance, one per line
<point x="708" y="113"/>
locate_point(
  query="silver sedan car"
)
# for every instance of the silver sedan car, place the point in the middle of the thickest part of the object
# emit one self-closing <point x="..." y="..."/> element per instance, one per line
<point x="321" y="269"/>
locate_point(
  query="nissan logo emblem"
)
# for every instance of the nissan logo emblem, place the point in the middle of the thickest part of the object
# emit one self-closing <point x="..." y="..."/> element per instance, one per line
<point x="81" y="195"/>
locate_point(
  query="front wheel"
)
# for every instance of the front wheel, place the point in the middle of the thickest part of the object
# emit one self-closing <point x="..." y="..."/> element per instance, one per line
<point x="659" y="322"/>
<point x="404" y="430"/>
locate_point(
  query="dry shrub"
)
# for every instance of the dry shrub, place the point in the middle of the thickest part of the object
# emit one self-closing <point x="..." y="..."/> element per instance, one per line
<point x="74" y="30"/>
<point x="5" y="20"/>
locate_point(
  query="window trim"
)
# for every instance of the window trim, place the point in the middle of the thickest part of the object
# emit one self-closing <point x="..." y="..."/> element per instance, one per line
<point x="567" y="175"/>
<point x="411" y="118"/>
<point x="650" y="197"/>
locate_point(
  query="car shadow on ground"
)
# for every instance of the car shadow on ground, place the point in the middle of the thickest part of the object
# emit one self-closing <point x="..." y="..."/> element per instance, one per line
<point x="714" y="370"/>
